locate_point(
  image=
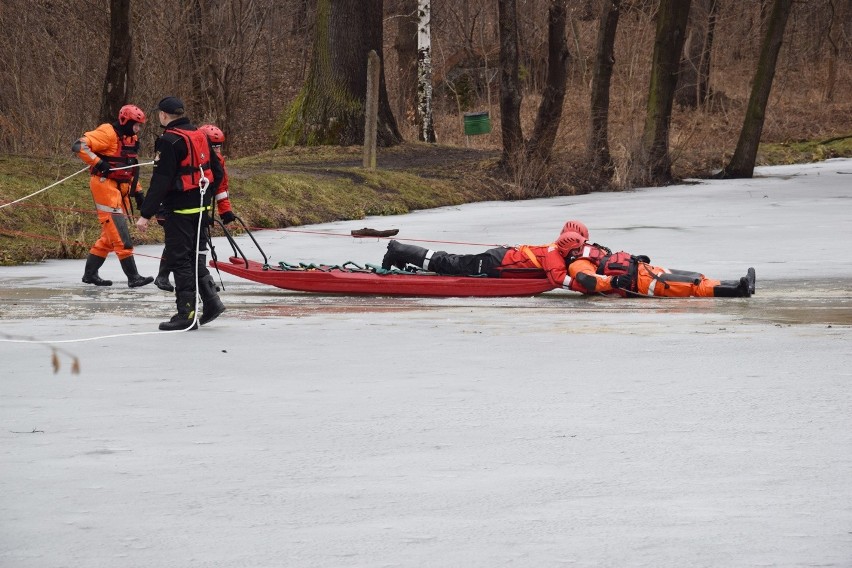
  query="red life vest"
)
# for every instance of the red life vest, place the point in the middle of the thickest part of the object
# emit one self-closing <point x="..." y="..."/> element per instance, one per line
<point x="128" y="153"/>
<point x="608" y="264"/>
<point x="197" y="158"/>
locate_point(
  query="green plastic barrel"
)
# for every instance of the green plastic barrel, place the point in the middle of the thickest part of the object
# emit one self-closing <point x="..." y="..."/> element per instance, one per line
<point x="477" y="123"/>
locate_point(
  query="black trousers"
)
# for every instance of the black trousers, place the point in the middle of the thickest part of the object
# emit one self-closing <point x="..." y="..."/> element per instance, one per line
<point x="181" y="232"/>
<point x="468" y="264"/>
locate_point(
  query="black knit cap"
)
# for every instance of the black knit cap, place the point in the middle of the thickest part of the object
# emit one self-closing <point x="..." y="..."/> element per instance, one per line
<point x="171" y="105"/>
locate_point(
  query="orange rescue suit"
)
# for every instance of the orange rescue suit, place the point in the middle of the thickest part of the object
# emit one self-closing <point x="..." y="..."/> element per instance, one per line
<point x="110" y="195"/>
<point x="586" y="277"/>
<point x="544" y="257"/>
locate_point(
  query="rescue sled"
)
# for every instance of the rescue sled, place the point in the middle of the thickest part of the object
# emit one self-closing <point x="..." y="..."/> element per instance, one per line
<point x="353" y="279"/>
<point x="350" y="278"/>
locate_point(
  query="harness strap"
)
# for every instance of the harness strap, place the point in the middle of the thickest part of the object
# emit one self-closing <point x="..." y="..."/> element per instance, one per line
<point x="526" y="250"/>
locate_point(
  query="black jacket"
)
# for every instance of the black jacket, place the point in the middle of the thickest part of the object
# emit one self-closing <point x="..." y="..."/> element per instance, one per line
<point x="163" y="193"/>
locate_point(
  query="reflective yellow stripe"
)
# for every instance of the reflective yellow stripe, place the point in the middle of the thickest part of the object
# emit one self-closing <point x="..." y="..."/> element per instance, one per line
<point x="194" y="210"/>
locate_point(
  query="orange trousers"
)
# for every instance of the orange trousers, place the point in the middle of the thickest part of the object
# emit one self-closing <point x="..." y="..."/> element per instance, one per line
<point x="659" y="281"/>
<point x="110" y="198"/>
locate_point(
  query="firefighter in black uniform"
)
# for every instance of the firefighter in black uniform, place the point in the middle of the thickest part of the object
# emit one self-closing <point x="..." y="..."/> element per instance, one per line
<point x="184" y="163"/>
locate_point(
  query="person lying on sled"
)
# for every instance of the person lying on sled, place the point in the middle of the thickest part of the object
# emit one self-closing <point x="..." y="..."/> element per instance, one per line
<point x="595" y="269"/>
<point x="499" y="262"/>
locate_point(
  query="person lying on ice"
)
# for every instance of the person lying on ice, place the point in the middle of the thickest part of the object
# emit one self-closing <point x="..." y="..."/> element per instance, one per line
<point x="595" y="269"/>
<point x="496" y="262"/>
<point x="572" y="263"/>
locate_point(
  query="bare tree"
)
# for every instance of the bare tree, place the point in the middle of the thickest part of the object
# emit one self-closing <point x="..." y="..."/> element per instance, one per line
<point x="510" y="88"/>
<point x="742" y="162"/>
<point x="693" y="86"/>
<point x="597" y="150"/>
<point x="117" y="83"/>
<point x="654" y="162"/>
<point x="330" y="107"/>
<point x="522" y="158"/>
<point x="553" y="96"/>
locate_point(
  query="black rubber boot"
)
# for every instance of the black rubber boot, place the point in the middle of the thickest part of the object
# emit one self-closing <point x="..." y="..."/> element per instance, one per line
<point x="213" y="306"/>
<point x="134" y="280"/>
<point x="732" y="289"/>
<point x="752" y="280"/>
<point x="162" y="279"/>
<point x="399" y="255"/>
<point x="185" y="316"/>
<point x="90" y="273"/>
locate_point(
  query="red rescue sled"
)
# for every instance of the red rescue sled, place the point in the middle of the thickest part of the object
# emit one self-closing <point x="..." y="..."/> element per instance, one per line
<point x="342" y="280"/>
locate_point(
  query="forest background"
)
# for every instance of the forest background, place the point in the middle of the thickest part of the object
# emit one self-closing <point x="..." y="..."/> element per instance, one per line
<point x="241" y="64"/>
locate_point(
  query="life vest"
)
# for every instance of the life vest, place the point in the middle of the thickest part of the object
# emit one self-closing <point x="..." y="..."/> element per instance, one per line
<point x="128" y="154"/>
<point x="197" y="158"/>
<point x="608" y="264"/>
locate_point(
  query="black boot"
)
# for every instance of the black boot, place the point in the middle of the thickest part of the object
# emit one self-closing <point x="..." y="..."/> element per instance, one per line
<point x="752" y="280"/>
<point x="213" y="306"/>
<point x="134" y="280"/>
<point x="162" y="279"/>
<point x="185" y="316"/>
<point x="90" y="273"/>
<point x="732" y="289"/>
<point x="399" y="255"/>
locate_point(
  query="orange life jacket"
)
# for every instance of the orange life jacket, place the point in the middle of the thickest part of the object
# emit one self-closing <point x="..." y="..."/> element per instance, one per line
<point x="197" y="159"/>
<point x="128" y="154"/>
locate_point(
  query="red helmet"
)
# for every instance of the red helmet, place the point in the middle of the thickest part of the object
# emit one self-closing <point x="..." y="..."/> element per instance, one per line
<point x="569" y="241"/>
<point x="574" y="226"/>
<point x="213" y="133"/>
<point x="130" y="112"/>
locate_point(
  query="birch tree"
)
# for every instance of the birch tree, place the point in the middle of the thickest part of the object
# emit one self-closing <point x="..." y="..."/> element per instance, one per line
<point x="425" y="125"/>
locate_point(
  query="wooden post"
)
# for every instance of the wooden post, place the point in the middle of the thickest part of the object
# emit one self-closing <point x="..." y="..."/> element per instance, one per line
<point x="372" y="111"/>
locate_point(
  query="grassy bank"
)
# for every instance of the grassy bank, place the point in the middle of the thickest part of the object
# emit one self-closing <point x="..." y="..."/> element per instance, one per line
<point x="288" y="187"/>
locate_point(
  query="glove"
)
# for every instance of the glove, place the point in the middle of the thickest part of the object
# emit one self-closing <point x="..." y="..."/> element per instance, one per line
<point x="643" y="258"/>
<point x="102" y="167"/>
<point x="140" y="198"/>
<point x="228" y="217"/>
<point x="622" y="282"/>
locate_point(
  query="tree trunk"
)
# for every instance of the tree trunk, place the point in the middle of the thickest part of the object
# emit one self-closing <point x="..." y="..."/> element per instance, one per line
<point x="425" y="126"/>
<point x="745" y="155"/>
<point x="406" y="59"/>
<point x="654" y="162"/>
<point x="597" y="151"/>
<point x="694" y="74"/>
<point x="510" y="88"/>
<point x="552" y="100"/>
<point x="330" y="107"/>
<point x="117" y="83"/>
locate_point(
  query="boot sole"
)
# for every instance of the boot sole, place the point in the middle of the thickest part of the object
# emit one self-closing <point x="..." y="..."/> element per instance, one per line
<point x="141" y="283"/>
<point x="203" y="321"/>
<point x="165" y="327"/>
<point x="96" y="283"/>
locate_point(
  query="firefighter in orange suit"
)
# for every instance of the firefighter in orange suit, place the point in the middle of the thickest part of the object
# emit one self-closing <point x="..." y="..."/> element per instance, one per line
<point x="595" y="269"/>
<point x="223" y="201"/>
<point x="108" y="150"/>
<point x="498" y="262"/>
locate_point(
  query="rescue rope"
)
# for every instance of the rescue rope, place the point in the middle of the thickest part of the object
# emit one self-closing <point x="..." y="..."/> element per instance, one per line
<point x="202" y="186"/>
<point x="44" y="188"/>
<point x="67" y="178"/>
